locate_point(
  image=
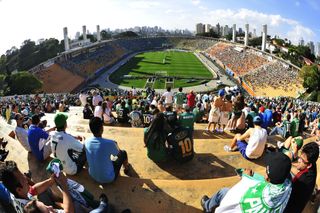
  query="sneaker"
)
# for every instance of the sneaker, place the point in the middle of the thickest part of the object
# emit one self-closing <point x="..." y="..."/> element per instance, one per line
<point x="221" y="130"/>
<point x="279" y="144"/>
<point x="203" y="201"/>
<point x="227" y="148"/>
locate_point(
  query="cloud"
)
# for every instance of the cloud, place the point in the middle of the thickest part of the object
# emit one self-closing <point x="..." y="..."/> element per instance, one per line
<point x="277" y="25"/>
<point x="299" y="32"/>
<point x="195" y="2"/>
<point x="297" y="3"/>
<point x="143" y="4"/>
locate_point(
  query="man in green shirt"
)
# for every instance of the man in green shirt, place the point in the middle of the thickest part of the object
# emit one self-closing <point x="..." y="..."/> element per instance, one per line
<point x="198" y="113"/>
<point x="180" y="98"/>
<point x="294" y="127"/>
<point x="186" y="119"/>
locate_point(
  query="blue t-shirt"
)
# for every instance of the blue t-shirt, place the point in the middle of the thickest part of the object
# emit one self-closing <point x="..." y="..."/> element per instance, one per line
<point x="98" y="151"/>
<point x="4" y="194"/>
<point x="267" y="118"/>
<point x="35" y="136"/>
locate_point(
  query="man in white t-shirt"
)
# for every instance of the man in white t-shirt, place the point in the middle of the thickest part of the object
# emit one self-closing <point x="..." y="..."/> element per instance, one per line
<point x="68" y="149"/>
<point x="96" y="98"/>
<point x="98" y="111"/>
<point x="168" y="96"/>
<point x="20" y="133"/>
<point x="256" y="138"/>
<point x="83" y="98"/>
<point x="255" y="193"/>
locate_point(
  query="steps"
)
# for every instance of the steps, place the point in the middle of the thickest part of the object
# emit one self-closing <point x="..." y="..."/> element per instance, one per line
<point x="169" y="187"/>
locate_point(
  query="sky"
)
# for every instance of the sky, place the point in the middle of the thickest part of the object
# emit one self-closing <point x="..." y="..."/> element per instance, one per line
<point x="36" y="19"/>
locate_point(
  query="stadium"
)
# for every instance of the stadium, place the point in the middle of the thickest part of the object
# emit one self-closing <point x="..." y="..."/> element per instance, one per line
<point x="135" y="73"/>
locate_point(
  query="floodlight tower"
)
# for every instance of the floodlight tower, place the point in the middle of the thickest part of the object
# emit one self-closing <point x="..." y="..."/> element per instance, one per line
<point x="234" y="33"/>
<point x="84" y="32"/>
<point x="66" y="39"/>
<point x="98" y="33"/>
<point x="246" y="36"/>
<point x="264" y="37"/>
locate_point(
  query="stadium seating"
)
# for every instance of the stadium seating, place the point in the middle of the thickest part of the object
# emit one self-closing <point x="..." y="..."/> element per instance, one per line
<point x="57" y="79"/>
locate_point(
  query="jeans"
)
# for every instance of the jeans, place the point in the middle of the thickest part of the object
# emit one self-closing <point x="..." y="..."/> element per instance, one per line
<point x="277" y="131"/>
<point x="215" y="200"/>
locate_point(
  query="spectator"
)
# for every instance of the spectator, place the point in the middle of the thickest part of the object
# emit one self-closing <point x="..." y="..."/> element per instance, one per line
<point x="67" y="148"/>
<point x="107" y="114"/>
<point x="98" y="110"/>
<point x="155" y="137"/>
<point x="96" y="99"/>
<point x="291" y="147"/>
<point x="171" y="116"/>
<point x="191" y="99"/>
<point x="257" y="138"/>
<point x="104" y="156"/>
<point x="255" y="195"/>
<point x="83" y="98"/>
<point x="186" y="119"/>
<point x="87" y="112"/>
<point x="198" y="114"/>
<point x="179" y="99"/>
<point x="123" y="113"/>
<point x="215" y="112"/>
<point x="37" y="138"/>
<point x="20" y="132"/>
<point x="168" y="97"/>
<point x="304" y="181"/>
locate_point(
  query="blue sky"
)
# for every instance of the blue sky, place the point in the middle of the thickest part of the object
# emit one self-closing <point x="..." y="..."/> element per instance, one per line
<point x="35" y="19"/>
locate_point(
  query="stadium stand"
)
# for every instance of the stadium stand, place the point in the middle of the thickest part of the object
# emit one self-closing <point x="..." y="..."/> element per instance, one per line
<point x="57" y="79"/>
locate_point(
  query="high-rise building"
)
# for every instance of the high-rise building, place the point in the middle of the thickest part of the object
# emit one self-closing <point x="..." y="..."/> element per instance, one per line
<point x="218" y="29"/>
<point x="318" y="49"/>
<point x="311" y="46"/>
<point x="240" y="30"/>
<point x="301" y="42"/>
<point x="200" y="28"/>
<point x="207" y="28"/>
<point x="225" y="30"/>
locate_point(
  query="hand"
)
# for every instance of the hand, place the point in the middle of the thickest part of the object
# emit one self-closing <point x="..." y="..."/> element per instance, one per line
<point x="294" y="147"/>
<point x="62" y="181"/>
<point x="248" y="172"/>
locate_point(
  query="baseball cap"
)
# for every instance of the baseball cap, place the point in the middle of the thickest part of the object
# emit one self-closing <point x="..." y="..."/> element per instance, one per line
<point x="257" y="120"/>
<point x="60" y="120"/>
<point x="299" y="142"/>
<point x="25" y="112"/>
<point x="261" y="109"/>
<point x="278" y="166"/>
<point x="221" y="92"/>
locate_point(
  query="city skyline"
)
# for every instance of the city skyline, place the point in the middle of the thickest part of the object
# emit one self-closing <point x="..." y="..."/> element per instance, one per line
<point x="35" y="19"/>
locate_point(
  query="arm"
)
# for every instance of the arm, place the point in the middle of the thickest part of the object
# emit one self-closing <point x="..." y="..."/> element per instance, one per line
<point x="67" y="201"/>
<point x="44" y="185"/>
<point x="245" y="135"/>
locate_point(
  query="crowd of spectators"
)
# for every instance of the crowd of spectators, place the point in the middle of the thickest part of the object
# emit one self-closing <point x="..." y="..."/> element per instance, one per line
<point x="240" y="61"/>
<point x="168" y="119"/>
<point x="274" y="75"/>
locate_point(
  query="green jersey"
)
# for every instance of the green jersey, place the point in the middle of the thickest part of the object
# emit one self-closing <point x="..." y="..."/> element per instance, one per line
<point x="198" y="114"/>
<point x="180" y="97"/>
<point x="186" y="120"/>
<point x="294" y="127"/>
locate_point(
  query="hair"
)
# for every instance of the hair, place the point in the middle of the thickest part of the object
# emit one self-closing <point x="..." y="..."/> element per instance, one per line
<point x="35" y="119"/>
<point x="8" y="178"/>
<point x="168" y="108"/>
<point x="180" y="89"/>
<point x="312" y="152"/>
<point x="32" y="207"/>
<point x="104" y="106"/>
<point x="95" y="125"/>
<point x="169" y="89"/>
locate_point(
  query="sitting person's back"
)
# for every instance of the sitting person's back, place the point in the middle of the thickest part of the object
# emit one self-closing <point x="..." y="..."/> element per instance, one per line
<point x="186" y="119"/>
<point x="155" y="138"/>
<point x="103" y="156"/>
<point x="171" y="116"/>
<point x="122" y="114"/>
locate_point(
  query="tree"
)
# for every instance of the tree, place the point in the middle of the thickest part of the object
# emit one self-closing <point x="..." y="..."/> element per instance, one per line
<point x="127" y="34"/>
<point x="311" y="81"/>
<point x="105" y="35"/>
<point x="24" y="83"/>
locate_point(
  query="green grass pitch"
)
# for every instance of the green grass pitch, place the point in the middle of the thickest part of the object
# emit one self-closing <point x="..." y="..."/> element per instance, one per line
<point x="174" y="63"/>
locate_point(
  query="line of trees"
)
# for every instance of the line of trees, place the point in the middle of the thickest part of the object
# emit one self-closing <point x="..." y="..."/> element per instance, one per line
<point x="311" y="81"/>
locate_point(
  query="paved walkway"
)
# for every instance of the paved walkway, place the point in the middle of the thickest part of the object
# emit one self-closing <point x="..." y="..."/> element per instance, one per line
<point x="105" y="82"/>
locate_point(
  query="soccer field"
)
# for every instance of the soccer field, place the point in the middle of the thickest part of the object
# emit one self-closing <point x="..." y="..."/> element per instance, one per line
<point x="169" y="63"/>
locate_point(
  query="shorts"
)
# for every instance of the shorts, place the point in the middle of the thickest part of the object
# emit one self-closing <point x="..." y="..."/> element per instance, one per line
<point x="214" y="116"/>
<point x="242" y="146"/>
<point x="224" y="118"/>
<point x="122" y="156"/>
<point x="46" y="150"/>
